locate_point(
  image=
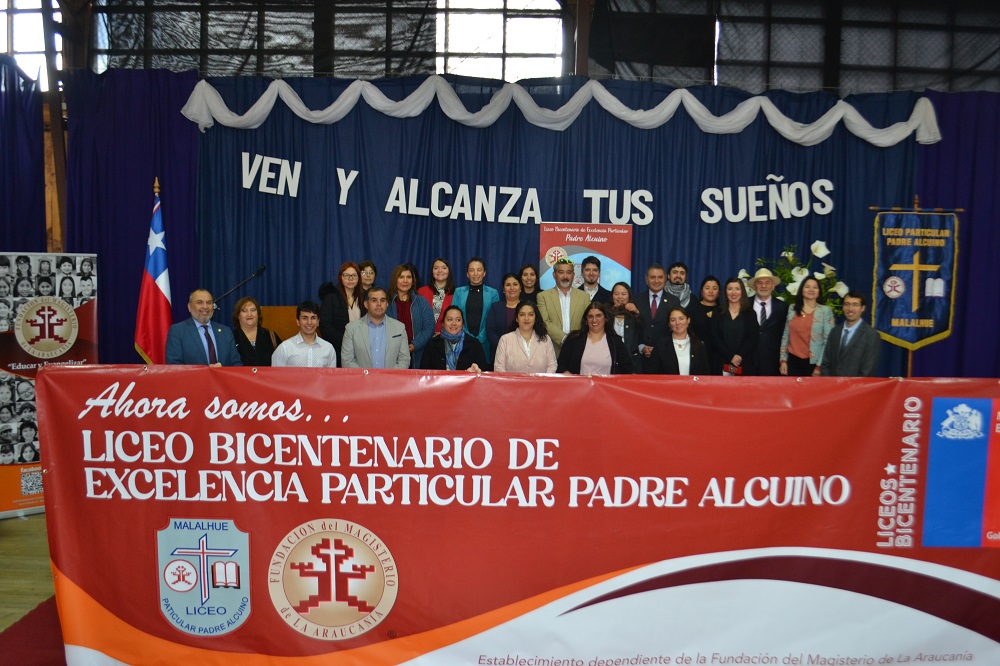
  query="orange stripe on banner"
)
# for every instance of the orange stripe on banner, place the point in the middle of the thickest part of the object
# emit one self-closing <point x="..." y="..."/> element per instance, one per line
<point x="87" y="624"/>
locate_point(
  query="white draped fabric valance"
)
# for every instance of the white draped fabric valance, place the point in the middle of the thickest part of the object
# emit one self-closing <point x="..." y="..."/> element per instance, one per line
<point x="206" y="107"/>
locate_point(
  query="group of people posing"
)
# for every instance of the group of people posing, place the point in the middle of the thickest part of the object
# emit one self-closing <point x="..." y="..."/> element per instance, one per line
<point x="585" y="329"/>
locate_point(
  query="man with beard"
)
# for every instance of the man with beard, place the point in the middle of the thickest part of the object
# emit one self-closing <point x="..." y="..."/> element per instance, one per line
<point x="677" y="283"/>
<point x="591" y="270"/>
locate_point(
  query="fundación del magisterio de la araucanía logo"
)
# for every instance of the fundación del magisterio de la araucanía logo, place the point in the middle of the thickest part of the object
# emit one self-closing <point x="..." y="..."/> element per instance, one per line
<point x="332" y="579"/>
<point x="46" y="327"/>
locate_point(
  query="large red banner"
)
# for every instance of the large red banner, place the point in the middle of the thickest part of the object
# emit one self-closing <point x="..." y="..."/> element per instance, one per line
<point x="301" y="516"/>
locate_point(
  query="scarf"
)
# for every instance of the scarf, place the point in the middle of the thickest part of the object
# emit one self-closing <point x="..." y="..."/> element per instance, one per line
<point x="452" y="347"/>
<point x="681" y="291"/>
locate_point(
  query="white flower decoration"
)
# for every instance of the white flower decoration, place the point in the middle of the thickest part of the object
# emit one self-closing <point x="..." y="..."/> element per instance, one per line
<point x="793" y="288"/>
<point x="819" y="276"/>
<point x="819" y="249"/>
<point x="747" y="287"/>
<point x="841" y="289"/>
<point x="829" y="270"/>
<point x="743" y="275"/>
<point x="800" y="273"/>
<point x="788" y="254"/>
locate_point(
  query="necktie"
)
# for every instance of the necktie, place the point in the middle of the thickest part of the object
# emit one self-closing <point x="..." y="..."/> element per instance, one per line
<point x="652" y="307"/>
<point x="212" y="358"/>
<point x="844" y="337"/>
<point x="763" y="313"/>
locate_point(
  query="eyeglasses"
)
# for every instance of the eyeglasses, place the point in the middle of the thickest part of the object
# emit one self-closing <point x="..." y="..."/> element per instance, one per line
<point x="368" y="272"/>
<point x="349" y="276"/>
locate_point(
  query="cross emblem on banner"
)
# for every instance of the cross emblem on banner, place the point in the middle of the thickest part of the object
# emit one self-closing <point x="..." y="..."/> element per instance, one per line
<point x="916" y="267"/>
<point x="203" y="552"/>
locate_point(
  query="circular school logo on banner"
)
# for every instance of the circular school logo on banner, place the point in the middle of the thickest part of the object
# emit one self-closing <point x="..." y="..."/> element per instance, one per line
<point x="46" y="327"/>
<point x="332" y="579"/>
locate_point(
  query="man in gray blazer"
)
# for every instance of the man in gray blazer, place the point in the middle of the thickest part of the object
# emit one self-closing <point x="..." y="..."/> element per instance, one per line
<point x="375" y="341"/>
<point x="853" y="346"/>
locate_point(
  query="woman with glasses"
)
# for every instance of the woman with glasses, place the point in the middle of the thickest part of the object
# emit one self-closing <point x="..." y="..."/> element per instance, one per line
<point x="367" y="274"/>
<point x="341" y="304"/>
<point x="594" y="349"/>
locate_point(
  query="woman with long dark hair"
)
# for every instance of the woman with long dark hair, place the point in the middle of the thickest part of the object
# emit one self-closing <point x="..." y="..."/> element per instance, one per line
<point x="594" y="348"/>
<point x="808" y="326"/>
<point x="439" y="291"/>
<point x="413" y="311"/>
<point x="682" y="353"/>
<point x="340" y="304"/>
<point x="734" y="332"/>
<point x="527" y="347"/>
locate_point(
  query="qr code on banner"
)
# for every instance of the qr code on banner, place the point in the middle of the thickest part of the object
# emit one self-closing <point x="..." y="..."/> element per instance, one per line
<point x="31" y="483"/>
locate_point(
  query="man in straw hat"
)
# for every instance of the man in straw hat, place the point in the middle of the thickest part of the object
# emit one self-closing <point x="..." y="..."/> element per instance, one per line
<point x="771" y="315"/>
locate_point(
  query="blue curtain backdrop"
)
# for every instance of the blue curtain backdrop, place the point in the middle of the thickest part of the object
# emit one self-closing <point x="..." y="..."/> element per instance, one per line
<point x="22" y="162"/>
<point x="304" y="238"/>
<point x="125" y="129"/>
<point x="963" y="171"/>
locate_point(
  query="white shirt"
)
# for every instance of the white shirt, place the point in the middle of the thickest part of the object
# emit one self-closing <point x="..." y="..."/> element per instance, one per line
<point x="683" y="350"/>
<point x="296" y="353"/>
<point x="564" y="302"/>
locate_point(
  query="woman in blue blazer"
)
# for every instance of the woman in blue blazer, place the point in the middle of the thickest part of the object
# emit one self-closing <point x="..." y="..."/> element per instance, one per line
<point x="413" y="311"/>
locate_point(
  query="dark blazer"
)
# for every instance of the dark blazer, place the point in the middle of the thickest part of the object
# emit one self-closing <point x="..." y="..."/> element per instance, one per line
<point x="496" y="326"/>
<point x="259" y="354"/>
<point x="654" y="328"/>
<point x="722" y="352"/>
<point x="184" y="344"/>
<point x="631" y="340"/>
<point x="574" y="345"/>
<point x="602" y="295"/>
<point x="701" y="323"/>
<point x="434" y="355"/>
<point x="333" y="316"/>
<point x="859" y="358"/>
<point x="664" y="359"/>
<point x="768" y="352"/>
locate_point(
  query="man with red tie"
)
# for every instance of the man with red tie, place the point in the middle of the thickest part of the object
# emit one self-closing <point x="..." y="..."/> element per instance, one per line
<point x="654" y="307"/>
<point x="199" y="340"/>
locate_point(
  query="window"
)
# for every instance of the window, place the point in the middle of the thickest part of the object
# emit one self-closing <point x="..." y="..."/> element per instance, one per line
<point x="24" y="39"/>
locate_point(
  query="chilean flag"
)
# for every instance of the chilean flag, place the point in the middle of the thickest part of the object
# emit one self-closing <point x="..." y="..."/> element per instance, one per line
<point x="153" y="317"/>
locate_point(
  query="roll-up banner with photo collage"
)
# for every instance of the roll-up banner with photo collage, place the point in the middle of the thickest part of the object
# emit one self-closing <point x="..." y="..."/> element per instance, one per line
<point x="48" y="315"/>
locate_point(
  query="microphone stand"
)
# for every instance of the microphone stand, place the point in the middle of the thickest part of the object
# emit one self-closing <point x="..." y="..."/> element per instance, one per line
<point x="256" y="274"/>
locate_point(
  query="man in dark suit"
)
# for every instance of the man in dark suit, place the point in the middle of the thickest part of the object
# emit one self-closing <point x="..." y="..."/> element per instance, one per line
<point x="590" y="269"/>
<point x="853" y="346"/>
<point x="771" y="314"/>
<point x="199" y="340"/>
<point x="653" y="307"/>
